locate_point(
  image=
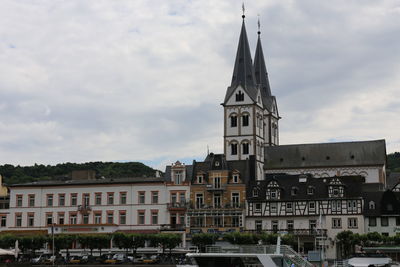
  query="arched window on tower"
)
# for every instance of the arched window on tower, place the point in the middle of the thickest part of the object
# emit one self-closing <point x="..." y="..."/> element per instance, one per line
<point x="245" y="120"/>
<point x="234" y="147"/>
<point x="233" y="120"/>
<point x="245" y="148"/>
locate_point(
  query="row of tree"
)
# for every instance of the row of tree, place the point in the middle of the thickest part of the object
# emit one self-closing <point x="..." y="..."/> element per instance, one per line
<point x="347" y="241"/>
<point x="91" y="241"/>
<point x="24" y="174"/>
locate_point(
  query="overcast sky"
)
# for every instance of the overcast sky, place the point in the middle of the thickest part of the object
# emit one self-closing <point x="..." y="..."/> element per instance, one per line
<point x="143" y="80"/>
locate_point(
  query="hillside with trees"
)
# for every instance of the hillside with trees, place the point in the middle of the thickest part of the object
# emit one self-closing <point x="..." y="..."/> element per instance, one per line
<point x="393" y="162"/>
<point x="24" y="174"/>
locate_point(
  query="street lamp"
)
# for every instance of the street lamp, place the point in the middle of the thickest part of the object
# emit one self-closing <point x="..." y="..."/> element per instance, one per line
<point x="52" y="236"/>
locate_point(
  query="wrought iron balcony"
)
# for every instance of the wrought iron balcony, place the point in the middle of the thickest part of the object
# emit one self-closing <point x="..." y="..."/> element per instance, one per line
<point x="296" y="232"/>
<point x="84" y="208"/>
<point x="213" y="188"/>
<point x="231" y="205"/>
<point x="178" y="205"/>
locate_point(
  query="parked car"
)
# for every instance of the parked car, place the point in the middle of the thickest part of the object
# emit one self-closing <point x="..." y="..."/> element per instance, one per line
<point x="120" y="258"/>
<point x="151" y="259"/>
<point x="41" y="258"/>
<point x="138" y="259"/>
<point x="75" y="260"/>
<point x="109" y="259"/>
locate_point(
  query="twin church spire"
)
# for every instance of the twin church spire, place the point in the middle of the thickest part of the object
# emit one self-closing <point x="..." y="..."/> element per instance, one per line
<point x="250" y="77"/>
<point x="250" y="111"/>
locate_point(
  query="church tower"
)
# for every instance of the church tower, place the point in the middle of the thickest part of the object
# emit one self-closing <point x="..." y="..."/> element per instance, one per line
<point x="250" y="111"/>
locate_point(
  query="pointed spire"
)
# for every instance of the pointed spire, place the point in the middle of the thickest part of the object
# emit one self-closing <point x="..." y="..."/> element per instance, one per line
<point x="260" y="70"/>
<point x="243" y="73"/>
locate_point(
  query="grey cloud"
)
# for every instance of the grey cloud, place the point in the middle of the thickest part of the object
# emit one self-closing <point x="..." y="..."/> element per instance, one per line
<point x="123" y="80"/>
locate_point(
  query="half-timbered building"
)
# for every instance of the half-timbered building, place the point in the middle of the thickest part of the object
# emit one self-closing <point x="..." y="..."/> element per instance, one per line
<point x="312" y="209"/>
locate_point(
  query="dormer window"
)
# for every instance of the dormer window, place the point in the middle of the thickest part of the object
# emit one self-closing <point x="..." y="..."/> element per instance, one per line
<point x="310" y="190"/>
<point x="255" y="192"/>
<point x="371" y="205"/>
<point x="239" y="96"/>
<point x="178" y="177"/>
<point x="200" y="179"/>
<point x="216" y="163"/>
<point x="273" y="191"/>
<point x="235" y="179"/>
<point x="335" y="192"/>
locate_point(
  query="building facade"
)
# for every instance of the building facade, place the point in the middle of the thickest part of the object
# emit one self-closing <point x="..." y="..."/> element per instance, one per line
<point x="217" y="195"/>
<point x="314" y="210"/>
<point x="89" y="206"/>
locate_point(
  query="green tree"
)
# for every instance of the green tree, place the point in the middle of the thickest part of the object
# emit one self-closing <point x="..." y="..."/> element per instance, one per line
<point x="64" y="241"/>
<point x="289" y="240"/>
<point x="241" y="238"/>
<point x="346" y="241"/>
<point x="7" y="241"/>
<point x="203" y="240"/>
<point x="269" y="238"/>
<point x="138" y="241"/>
<point x="102" y="242"/>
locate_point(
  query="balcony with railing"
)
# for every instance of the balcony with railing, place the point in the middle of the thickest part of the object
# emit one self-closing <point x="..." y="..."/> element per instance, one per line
<point x="84" y="208"/>
<point x="296" y="232"/>
<point x="224" y="206"/>
<point x="215" y="187"/>
<point x="177" y="205"/>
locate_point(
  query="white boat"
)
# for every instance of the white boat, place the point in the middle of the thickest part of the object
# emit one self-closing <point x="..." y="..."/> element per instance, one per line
<point x="367" y="260"/>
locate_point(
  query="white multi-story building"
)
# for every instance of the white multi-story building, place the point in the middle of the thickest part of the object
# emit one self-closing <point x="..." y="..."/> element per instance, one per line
<point x="96" y="205"/>
<point x="103" y="205"/>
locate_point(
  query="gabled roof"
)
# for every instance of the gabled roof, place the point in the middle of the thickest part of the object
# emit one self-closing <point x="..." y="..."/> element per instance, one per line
<point x="261" y="75"/>
<point x="243" y="72"/>
<point x="188" y="168"/>
<point x="244" y="167"/>
<point x="352" y="185"/>
<point x="361" y="153"/>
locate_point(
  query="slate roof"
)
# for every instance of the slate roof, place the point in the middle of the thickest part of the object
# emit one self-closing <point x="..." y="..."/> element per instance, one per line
<point x="375" y="197"/>
<point x="261" y="75"/>
<point x="244" y="167"/>
<point x="92" y="182"/>
<point x="352" y="186"/>
<point x="382" y="201"/>
<point x="189" y="173"/>
<point x="243" y="72"/>
<point x="360" y="153"/>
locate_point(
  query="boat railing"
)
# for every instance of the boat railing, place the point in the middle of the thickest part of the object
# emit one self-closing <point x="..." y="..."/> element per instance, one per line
<point x="287" y="252"/>
<point x="294" y="257"/>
